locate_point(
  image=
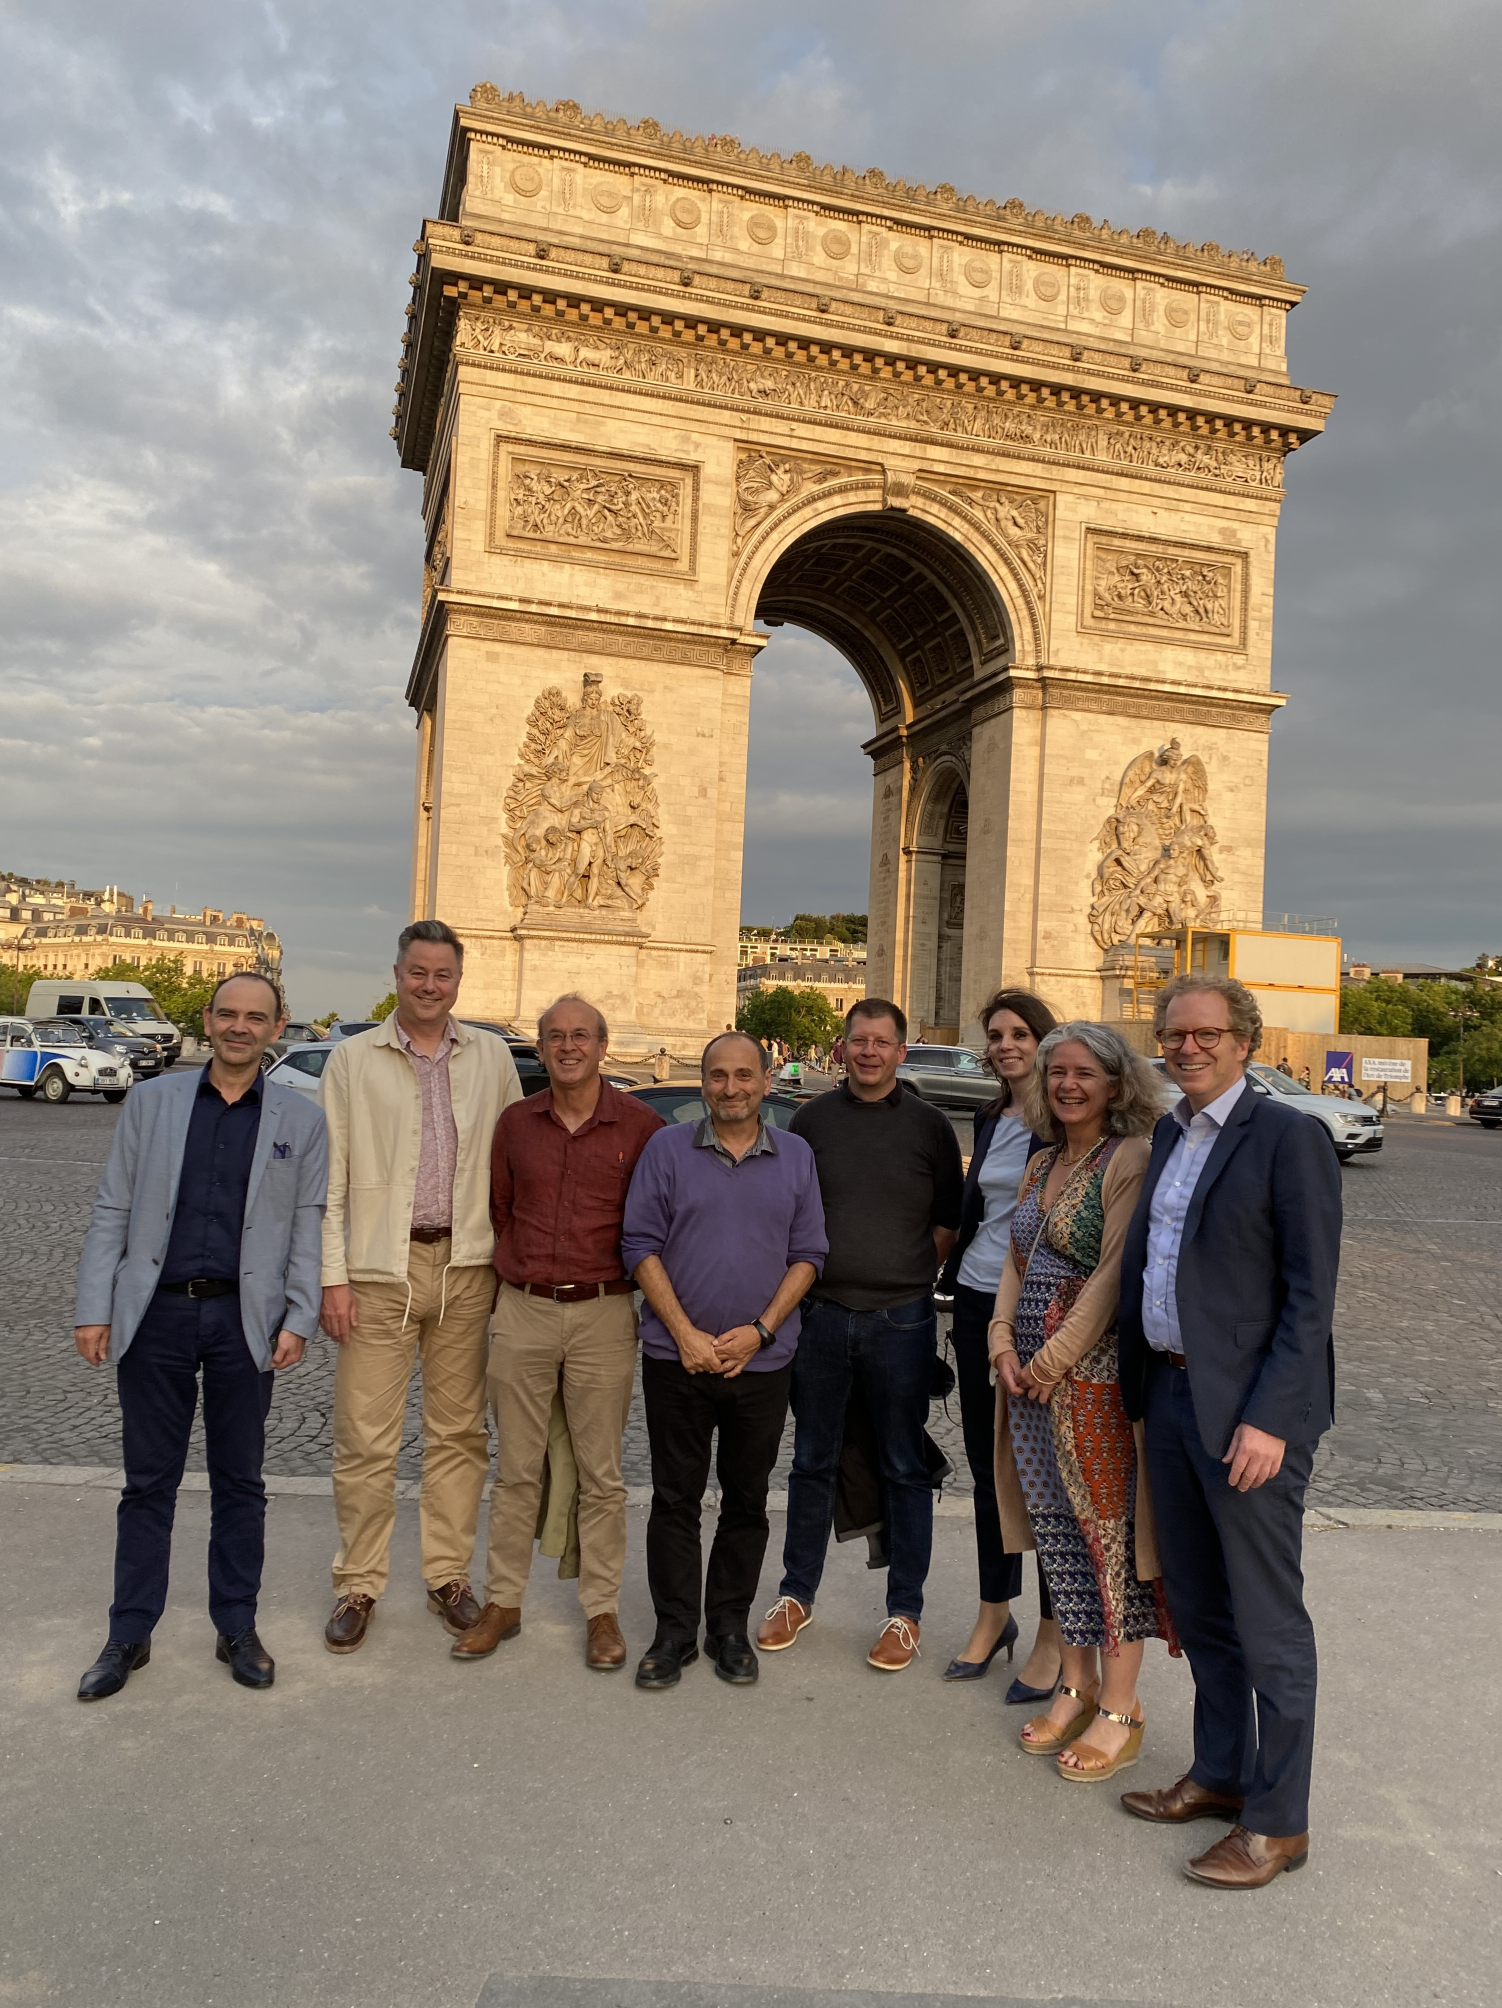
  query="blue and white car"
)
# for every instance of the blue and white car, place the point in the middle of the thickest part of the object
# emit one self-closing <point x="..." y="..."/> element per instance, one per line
<point x="56" y="1061"/>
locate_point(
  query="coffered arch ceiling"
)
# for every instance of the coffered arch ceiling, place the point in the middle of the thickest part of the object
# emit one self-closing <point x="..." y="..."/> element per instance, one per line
<point x="905" y="604"/>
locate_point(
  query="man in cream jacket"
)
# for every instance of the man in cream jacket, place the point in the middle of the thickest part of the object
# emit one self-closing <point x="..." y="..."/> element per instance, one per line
<point x="407" y="1276"/>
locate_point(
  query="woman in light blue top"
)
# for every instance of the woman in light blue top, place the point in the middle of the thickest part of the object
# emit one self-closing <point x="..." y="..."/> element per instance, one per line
<point x="1014" y="1021"/>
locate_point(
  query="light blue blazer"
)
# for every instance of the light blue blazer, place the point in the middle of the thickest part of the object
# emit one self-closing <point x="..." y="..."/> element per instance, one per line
<point x="280" y="1246"/>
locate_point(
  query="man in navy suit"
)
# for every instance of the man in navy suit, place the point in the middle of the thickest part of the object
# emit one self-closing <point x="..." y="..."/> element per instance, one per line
<point x="1227" y="1300"/>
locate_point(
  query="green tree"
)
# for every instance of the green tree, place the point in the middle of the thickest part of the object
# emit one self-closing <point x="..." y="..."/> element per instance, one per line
<point x="180" y="998"/>
<point x="826" y="927"/>
<point x="385" y="1008"/>
<point x="15" y="988"/>
<point x="801" y="1018"/>
<point x="1377" y="1006"/>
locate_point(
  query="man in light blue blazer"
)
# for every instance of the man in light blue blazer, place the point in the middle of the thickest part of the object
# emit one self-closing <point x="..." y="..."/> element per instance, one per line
<point x="203" y="1255"/>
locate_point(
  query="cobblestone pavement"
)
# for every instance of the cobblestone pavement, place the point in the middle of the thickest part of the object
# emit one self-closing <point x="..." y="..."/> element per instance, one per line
<point x="1418" y="1335"/>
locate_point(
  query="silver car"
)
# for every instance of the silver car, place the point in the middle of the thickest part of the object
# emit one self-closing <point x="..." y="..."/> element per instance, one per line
<point x="1355" y="1130"/>
<point x="950" y="1076"/>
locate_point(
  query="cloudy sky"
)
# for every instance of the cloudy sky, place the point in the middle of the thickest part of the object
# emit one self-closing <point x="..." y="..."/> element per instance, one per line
<point x="210" y="560"/>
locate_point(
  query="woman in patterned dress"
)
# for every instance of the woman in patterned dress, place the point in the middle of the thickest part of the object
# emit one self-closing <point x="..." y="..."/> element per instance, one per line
<point x="1065" y="1450"/>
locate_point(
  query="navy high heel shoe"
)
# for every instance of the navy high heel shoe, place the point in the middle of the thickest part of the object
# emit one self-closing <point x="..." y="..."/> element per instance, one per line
<point x="974" y="1669"/>
<point x="1018" y="1692"/>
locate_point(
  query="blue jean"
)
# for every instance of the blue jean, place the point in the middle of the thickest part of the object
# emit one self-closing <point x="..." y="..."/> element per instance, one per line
<point x="158" y="1387"/>
<point x="892" y="1353"/>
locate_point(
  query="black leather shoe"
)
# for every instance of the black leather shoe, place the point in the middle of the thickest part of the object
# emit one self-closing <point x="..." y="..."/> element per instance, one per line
<point x="247" y="1659"/>
<point x="663" y="1662"/>
<point x="734" y="1658"/>
<point x="112" y="1669"/>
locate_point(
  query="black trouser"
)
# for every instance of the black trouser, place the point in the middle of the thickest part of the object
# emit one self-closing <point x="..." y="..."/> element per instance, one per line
<point x="683" y="1412"/>
<point x="1000" y="1573"/>
<point x="1233" y="1575"/>
<point x="157" y="1383"/>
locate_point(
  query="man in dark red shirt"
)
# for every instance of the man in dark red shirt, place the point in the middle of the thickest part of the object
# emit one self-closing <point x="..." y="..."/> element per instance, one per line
<point x="559" y="1169"/>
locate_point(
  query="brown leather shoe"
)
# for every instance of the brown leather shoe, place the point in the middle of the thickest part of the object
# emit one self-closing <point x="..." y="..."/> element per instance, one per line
<point x="782" y="1624"/>
<point x="455" y="1604"/>
<point x="495" y="1622"/>
<point x="1245" y="1860"/>
<point x="896" y="1645"/>
<point x="1184" y="1801"/>
<point x="606" y="1649"/>
<point x="346" y="1629"/>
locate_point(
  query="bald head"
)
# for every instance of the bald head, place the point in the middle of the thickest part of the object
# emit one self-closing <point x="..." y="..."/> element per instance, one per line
<point x="726" y="1039"/>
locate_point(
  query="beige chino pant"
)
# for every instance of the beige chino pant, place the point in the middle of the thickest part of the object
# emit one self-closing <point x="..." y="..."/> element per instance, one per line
<point x="443" y="1327"/>
<point x="589" y="1350"/>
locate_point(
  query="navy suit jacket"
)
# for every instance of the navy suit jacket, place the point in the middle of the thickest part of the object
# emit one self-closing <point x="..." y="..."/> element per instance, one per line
<point x="1256" y="1281"/>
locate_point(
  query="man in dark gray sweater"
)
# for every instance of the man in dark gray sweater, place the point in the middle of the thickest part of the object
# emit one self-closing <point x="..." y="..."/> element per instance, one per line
<point x="890" y="1177"/>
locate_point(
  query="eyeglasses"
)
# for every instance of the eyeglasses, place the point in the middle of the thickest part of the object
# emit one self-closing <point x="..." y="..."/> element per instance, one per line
<point x="1206" y="1037"/>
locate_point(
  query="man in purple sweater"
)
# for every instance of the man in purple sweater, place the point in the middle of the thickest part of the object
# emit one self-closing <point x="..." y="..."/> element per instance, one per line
<point x="724" y="1232"/>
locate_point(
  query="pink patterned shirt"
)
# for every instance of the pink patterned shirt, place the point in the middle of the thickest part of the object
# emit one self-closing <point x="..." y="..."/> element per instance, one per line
<point x="433" y="1200"/>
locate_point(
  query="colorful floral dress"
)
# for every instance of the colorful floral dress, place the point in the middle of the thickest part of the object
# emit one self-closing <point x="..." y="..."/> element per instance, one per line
<point x="1075" y="1454"/>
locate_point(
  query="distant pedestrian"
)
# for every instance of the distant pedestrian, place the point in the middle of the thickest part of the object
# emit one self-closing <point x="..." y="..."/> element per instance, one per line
<point x="1285" y="1068"/>
<point x="1065" y="1448"/>
<point x="202" y="1258"/>
<point x="1227" y="1303"/>
<point x="1013" y="1022"/>
<point x="1305" y="1078"/>
<point x="724" y="1234"/>
<point x="561" y="1162"/>
<point x="890" y="1177"/>
<point x="407" y="1277"/>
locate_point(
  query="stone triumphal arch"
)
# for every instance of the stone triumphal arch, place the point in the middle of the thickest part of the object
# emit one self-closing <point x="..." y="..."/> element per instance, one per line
<point x="1023" y="471"/>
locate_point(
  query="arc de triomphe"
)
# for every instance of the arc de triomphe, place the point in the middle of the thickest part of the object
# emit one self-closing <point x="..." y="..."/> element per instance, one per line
<point x="1023" y="471"/>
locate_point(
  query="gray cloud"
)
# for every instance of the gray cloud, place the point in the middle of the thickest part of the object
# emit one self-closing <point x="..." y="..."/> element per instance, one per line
<point x="209" y="559"/>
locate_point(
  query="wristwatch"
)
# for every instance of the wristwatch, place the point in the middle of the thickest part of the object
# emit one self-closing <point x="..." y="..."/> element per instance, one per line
<point x="767" y="1338"/>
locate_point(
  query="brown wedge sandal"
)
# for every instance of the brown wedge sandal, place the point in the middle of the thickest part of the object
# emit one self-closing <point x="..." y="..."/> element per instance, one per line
<point x="1046" y="1740"/>
<point x="1089" y="1766"/>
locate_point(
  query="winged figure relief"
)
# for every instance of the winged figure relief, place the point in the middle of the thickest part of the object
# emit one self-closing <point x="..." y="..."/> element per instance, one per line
<point x="1157" y="866"/>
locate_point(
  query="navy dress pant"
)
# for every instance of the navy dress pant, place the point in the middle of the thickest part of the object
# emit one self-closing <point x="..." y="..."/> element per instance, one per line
<point x="157" y="1380"/>
<point x="1233" y="1575"/>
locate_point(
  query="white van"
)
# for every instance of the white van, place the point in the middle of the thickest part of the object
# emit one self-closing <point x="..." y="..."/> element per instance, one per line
<point x="131" y="1006"/>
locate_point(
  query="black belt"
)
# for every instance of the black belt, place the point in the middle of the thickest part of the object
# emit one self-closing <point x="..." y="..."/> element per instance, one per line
<point x="202" y="1286"/>
<point x="430" y="1235"/>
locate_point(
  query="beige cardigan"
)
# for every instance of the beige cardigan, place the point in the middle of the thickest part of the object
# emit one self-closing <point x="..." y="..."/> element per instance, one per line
<point x="1090" y="1316"/>
<point x="373" y="1105"/>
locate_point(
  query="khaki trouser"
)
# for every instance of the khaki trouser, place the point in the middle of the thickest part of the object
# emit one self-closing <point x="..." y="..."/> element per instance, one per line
<point x="590" y="1350"/>
<point x="443" y="1326"/>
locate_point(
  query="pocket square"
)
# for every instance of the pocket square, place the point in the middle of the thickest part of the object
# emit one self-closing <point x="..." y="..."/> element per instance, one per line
<point x="281" y="1150"/>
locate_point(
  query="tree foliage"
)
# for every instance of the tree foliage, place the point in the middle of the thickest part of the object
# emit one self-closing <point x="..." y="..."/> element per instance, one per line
<point x="1378" y="1007"/>
<point x="15" y="988"/>
<point x="800" y="1018"/>
<point x="380" y="1012"/>
<point x="827" y="926"/>
<point x="1440" y="1013"/>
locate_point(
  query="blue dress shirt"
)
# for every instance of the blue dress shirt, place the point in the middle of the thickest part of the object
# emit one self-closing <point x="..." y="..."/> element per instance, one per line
<point x="213" y="1186"/>
<point x="1168" y="1210"/>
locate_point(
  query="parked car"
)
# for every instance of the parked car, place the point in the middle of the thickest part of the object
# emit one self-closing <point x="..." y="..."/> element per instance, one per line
<point x="681" y="1102"/>
<point x="950" y="1076"/>
<point x="295" y="1034"/>
<point x="131" y="1006"/>
<point x="105" y="1035"/>
<point x="301" y="1067"/>
<point x="349" y="1028"/>
<point x="56" y="1061"/>
<point x="1486" y="1109"/>
<point x="1355" y="1130"/>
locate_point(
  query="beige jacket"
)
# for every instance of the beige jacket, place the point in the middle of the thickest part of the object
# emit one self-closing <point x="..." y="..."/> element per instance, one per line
<point x="1091" y="1315"/>
<point x="373" y="1106"/>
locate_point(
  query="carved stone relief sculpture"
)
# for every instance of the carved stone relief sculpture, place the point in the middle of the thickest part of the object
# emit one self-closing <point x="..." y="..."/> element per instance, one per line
<point x="1162" y="590"/>
<point x="1020" y="520"/>
<point x="764" y="481"/>
<point x="593" y="505"/>
<point x="582" y="831"/>
<point x="1157" y="865"/>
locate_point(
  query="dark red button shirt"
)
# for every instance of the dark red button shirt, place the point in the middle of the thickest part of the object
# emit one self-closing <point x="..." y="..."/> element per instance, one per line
<point x="557" y="1199"/>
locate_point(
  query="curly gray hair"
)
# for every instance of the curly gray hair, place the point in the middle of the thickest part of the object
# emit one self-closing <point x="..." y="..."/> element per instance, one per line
<point x="1136" y="1100"/>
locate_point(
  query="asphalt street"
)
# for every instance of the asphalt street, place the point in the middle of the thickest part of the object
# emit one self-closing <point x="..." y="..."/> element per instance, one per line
<point x="1418" y="1331"/>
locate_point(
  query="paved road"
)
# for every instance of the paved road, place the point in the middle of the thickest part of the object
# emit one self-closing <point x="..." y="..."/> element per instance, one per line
<point x="1419" y="1326"/>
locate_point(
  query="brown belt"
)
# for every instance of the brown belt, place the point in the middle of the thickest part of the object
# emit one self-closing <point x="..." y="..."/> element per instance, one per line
<point x="1177" y="1360"/>
<point x="428" y="1235"/>
<point x="576" y="1293"/>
